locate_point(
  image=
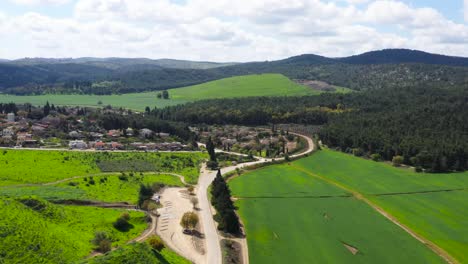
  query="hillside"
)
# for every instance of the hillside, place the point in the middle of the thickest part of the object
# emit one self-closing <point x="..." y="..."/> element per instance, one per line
<point x="372" y="70"/>
<point x="404" y="56"/>
<point x="240" y="86"/>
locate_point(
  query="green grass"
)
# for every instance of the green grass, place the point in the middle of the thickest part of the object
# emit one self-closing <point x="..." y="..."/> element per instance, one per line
<point x="286" y="222"/>
<point x="139" y="253"/>
<point x="239" y="86"/>
<point x="47" y="233"/>
<point x="34" y="167"/>
<point x="109" y="189"/>
<point x="115" y="190"/>
<point x="440" y="217"/>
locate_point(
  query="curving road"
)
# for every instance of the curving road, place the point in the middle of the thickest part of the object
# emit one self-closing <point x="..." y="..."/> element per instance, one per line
<point x="213" y="247"/>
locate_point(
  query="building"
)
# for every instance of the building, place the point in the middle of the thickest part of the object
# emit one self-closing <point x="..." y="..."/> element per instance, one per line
<point x="77" y="144"/>
<point x="11" y="117"/>
<point x="146" y="133"/>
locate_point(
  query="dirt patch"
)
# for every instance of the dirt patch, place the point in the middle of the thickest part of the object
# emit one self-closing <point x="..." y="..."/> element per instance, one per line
<point x="317" y="85"/>
<point x="351" y="249"/>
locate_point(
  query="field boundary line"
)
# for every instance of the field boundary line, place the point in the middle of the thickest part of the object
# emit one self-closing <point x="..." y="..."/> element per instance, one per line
<point x="432" y="246"/>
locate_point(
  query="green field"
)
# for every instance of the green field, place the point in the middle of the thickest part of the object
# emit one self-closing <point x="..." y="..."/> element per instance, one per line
<point x="139" y="253"/>
<point x="34" y="230"/>
<point x="106" y="188"/>
<point x="291" y="217"/>
<point x="240" y="86"/>
<point x="34" y="167"/>
<point x="439" y="216"/>
<point x="298" y="205"/>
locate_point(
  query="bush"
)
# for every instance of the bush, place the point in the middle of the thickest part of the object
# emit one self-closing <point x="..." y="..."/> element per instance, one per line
<point x="376" y="157"/>
<point x="397" y="161"/>
<point x="122" y="224"/>
<point x="418" y="169"/>
<point x="105" y="246"/>
<point x="212" y="165"/>
<point x="102" y="241"/>
<point x="156" y="243"/>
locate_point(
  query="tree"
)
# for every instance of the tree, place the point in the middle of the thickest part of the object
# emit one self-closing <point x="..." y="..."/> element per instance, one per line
<point x="147" y="110"/>
<point x="194" y="201"/>
<point x="159" y="96"/>
<point x="397" y="161"/>
<point x="211" y="149"/>
<point x="156" y="243"/>
<point x="189" y="220"/>
<point x="165" y="94"/>
<point x="46" y="109"/>
<point x="190" y="189"/>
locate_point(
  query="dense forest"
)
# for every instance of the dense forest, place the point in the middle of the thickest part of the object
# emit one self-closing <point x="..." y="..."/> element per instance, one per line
<point x="371" y="70"/>
<point x="427" y="126"/>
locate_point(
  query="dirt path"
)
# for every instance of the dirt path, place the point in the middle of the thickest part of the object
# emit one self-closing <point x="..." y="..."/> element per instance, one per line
<point x="436" y="249"/>
<point x="176" y="201"/>
<point x="181" y="177"/>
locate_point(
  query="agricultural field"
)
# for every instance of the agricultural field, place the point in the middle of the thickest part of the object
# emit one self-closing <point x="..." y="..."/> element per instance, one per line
<point x="240" y="86"/>
<point x="432" y="205"/>
<point x="314" y="191"/>
<point x="21" y="167"/>
<point x="35" y="230"/>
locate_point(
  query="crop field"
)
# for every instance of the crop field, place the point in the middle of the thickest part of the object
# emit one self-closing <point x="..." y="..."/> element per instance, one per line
<point x="35" y="230"/>
<point x="240" y="86"/>
<point x="432" y="205"/>
<point x="33" y="167"/>
<point x="292" y="217"/>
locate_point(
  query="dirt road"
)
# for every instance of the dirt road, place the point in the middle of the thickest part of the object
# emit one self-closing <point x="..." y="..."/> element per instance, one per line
<point x="213" y="247"/>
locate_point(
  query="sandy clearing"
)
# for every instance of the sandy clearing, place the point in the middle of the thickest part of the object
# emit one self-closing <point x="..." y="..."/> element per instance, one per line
<point x="175" y="203"/>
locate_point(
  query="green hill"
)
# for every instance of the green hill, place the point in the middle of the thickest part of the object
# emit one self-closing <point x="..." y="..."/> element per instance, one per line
<point x="243" y="86"/>
<point x="240" y="86"/>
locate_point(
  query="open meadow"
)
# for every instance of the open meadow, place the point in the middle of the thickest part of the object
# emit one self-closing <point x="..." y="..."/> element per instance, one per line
<point x="21" y="167"/>
<point x="240" y="86"/>
<point x="310" y="206"/>
<point x="34" y="230"/>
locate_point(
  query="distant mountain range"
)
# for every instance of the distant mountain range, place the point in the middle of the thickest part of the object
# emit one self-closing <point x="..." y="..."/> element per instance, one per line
<point x="120" y="75"/>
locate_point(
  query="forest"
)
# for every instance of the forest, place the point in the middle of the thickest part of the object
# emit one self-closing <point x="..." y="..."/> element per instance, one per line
<point x="427" y="126"/>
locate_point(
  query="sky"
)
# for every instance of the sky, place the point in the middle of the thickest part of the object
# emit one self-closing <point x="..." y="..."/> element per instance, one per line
<point x="227" y="30"/>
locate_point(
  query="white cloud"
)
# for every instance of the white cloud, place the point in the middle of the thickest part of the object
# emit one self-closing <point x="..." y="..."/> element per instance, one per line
<point x="242" y="30"/>
<point x="466" y="10"/>
<point x="40" y="2"/>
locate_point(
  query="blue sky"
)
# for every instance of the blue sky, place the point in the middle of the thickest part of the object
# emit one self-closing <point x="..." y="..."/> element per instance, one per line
<point x="224" y="30"/>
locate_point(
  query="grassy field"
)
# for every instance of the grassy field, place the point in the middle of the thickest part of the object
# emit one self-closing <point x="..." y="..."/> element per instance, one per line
<point x="240" y="86"/>
<point x="439" y="216"/>
<point x="34" y="230"/>
<point x="291" y="217"/>
<point x="33" y="167"/>
<point x="106" y="188"/>
<point x="139" y="253"/>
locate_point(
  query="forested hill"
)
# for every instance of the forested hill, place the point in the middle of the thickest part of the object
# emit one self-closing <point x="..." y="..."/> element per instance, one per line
<point x="426" y="126"/>
<point x="373" y="70"/>
<point x="396" y="56"/>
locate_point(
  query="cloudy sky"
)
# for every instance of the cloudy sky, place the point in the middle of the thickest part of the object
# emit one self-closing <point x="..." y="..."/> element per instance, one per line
<point x="226" y="30"/>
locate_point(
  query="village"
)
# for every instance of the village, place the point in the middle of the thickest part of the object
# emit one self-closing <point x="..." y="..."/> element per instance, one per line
<point x="18" y="131"/>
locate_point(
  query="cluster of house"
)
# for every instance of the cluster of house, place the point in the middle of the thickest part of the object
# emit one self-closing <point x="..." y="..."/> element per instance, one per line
<point x="24" y="132"/>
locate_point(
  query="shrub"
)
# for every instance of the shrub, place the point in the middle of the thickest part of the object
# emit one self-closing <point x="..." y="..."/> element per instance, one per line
<point x="156" y="243"/>
<point x="376" y="157"/>
<point x="397" y="161"/>
<point x="121" y="224"/>
<point x="102" y="241"/>
<point x="105" y="246"/>
<point x="126" y="216"/>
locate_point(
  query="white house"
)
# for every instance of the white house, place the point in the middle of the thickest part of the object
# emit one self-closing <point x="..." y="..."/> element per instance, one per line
<point x="77" y="144"/>
<point x="11" y="117"/>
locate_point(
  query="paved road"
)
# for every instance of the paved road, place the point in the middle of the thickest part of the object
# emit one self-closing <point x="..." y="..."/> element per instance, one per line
<point x="213" y="247"/>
